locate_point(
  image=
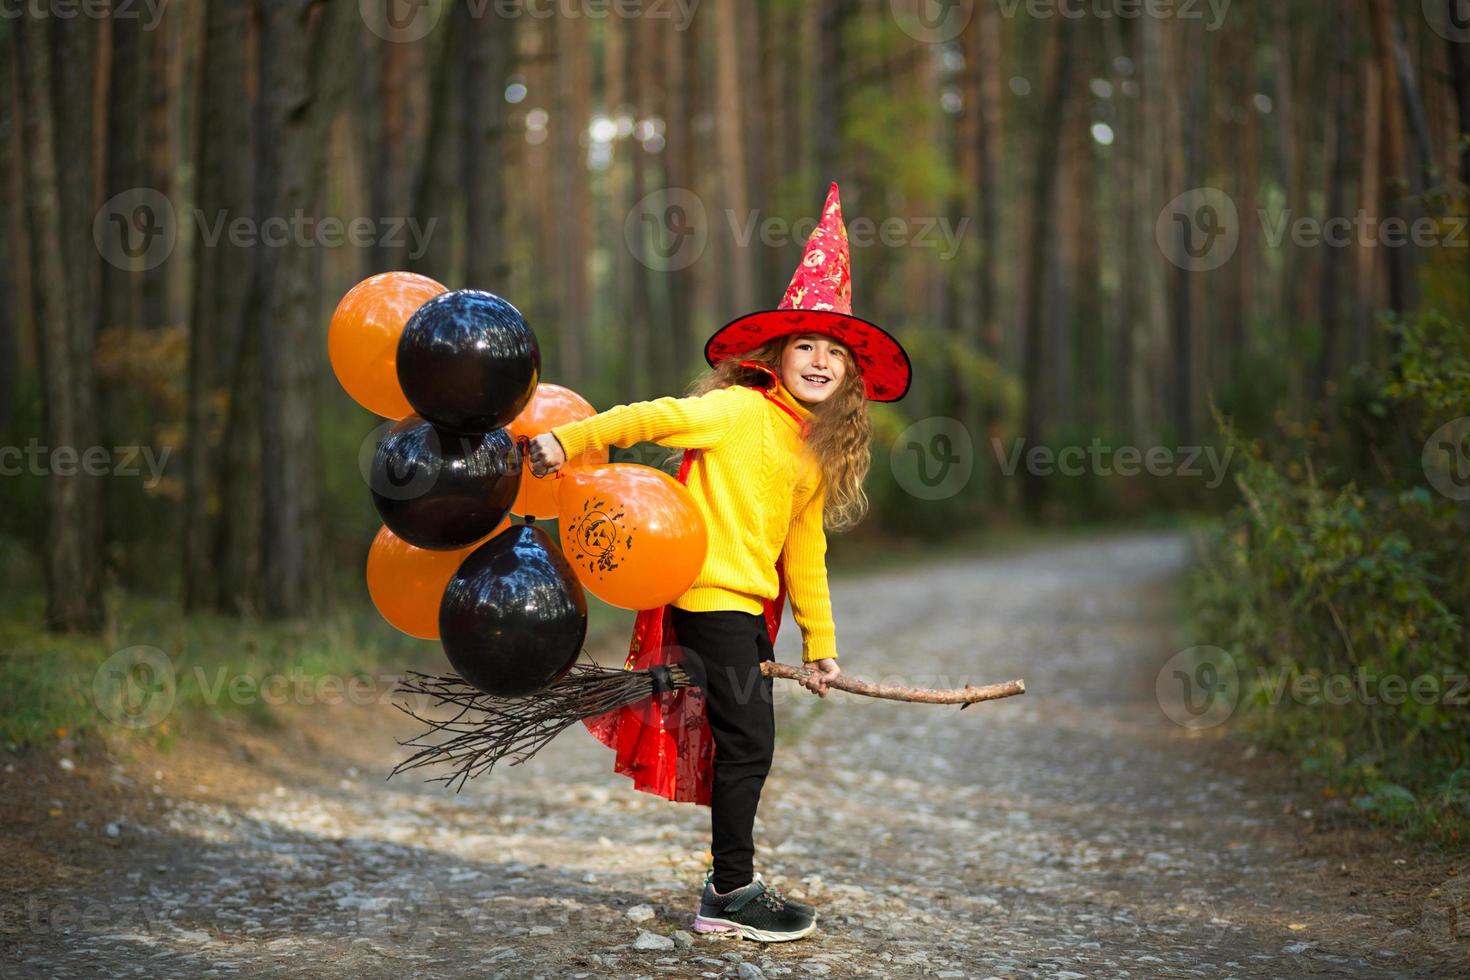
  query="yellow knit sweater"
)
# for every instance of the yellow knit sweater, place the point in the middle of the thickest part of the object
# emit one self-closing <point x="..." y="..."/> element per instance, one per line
<point x="759" y="488"/>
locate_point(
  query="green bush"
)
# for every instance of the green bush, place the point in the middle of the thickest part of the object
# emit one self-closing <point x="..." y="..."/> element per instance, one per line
<point x="1342" y="561"/>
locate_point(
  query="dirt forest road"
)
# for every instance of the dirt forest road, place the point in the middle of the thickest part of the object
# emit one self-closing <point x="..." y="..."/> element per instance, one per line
<point x="1071" y="832"/>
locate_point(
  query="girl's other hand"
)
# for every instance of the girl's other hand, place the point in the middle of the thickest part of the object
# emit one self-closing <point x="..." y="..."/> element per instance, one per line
<point x="821" y="674"/>
<point x="546" y="454"/>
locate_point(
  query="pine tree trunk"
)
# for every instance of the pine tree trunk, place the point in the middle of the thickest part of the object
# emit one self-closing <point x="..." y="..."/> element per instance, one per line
<point x="729" y="136"/>
<point x="225" y="146"/>
<point x="490" y="46"/>
<point x="1056" y="76"/>
<point x="301" y="85"/>
<point x="56" y="106"/>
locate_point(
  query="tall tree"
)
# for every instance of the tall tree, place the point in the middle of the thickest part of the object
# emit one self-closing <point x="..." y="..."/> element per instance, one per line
<point x="301" y="86"/>
<point x="572" y="214"/>
<point x="10" y="223"/>
<point x="57" y="107"/>
<point x="218" y="335"/>
<point x="729" y="135"/>
<point x="489" y="51"/>
<point x="1393" y="165"/>
<point x="1056" y="76"/>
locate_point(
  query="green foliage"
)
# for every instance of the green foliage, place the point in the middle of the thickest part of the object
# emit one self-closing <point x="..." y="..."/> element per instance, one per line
<point x="1342" y="562"/>
<point x="939" y="357"/>
<point x="226" y="668"/>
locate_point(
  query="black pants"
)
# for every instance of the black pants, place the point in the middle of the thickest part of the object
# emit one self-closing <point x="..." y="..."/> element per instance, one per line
<point x="730" y="645"/>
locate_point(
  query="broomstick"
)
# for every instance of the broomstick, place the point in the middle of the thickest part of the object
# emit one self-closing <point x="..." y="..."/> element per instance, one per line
<point x="485" y="729"/>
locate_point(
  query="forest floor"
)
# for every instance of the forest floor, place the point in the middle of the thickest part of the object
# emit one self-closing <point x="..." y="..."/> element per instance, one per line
<point x="1070" y="832"/>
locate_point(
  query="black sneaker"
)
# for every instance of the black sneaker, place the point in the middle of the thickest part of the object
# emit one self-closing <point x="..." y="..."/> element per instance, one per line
<point x="755" y="912"/>
<point x="709" y="876"/>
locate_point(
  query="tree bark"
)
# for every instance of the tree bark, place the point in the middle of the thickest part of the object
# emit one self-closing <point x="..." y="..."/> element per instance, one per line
<point x="10" y="224"/>
<point x="1332" y="261"/>
<point x="301" y="87"/>
<point x="438" y="189"/>
<point x="64" y="314"/>
<point x="221" y="283"/>
<point x="571" y="193"/>
<point x="489" y="51"/>
<point x="729" y="133"/>
<point x="1056" y="74"/>
<point x="682" y="58"/>
<point x="1393" y="164"/>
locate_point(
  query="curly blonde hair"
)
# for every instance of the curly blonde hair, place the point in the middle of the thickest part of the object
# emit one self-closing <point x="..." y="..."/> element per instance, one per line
<point x="839" y="432"/>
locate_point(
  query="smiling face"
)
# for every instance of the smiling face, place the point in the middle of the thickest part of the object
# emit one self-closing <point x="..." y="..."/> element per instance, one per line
<point x="813" y="366"/>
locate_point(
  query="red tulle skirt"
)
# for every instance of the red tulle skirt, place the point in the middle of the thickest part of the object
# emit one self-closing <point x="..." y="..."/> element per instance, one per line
<point x="663" y="742"/>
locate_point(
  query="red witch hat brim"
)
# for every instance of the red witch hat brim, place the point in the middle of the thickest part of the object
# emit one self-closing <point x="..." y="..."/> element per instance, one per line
<point x="884" y="363"/>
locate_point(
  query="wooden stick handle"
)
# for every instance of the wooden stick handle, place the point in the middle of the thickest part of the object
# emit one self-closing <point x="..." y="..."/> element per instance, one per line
<point x="962" y="696"/>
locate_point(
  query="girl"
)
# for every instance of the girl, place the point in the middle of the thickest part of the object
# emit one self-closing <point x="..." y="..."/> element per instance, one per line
<point x="776" y="437"/>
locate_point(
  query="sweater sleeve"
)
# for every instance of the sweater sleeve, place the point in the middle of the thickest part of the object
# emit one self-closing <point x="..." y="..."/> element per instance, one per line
<point x="697" y="422"/>
<point x="805" y="565"/>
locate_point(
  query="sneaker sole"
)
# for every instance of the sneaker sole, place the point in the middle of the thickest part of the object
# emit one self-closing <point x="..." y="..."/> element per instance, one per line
<point x="703" y="924"/>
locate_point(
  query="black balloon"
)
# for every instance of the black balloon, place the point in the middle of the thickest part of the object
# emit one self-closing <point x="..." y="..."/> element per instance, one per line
<point x="440" y="489"/>
<point x="514" y="616"/>
<point x="467" y="360"/>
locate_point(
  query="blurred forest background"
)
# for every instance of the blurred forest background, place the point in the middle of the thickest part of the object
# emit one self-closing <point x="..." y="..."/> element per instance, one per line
<point x="1089" y="229"/>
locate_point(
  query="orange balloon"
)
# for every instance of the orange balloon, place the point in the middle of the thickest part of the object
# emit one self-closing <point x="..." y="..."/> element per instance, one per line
<point x="407" y="582"/>
<point x="550" y="405"/>
<point x="363" y="339"/>
<point x="634" y="534"/>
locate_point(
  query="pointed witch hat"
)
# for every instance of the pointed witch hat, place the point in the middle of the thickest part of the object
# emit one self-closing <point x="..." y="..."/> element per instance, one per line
<point x="819" y="300"/>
